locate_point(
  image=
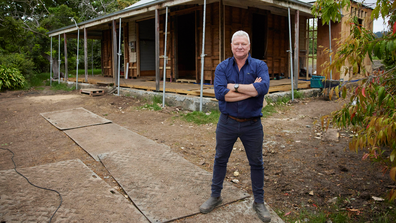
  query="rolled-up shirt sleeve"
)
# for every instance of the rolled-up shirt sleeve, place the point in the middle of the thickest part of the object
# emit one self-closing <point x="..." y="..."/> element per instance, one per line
<point x="220" y="83"/>
<point x="263" y="86"/>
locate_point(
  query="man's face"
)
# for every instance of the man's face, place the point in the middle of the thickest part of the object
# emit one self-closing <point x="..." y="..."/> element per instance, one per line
<point x="240" y="47"/>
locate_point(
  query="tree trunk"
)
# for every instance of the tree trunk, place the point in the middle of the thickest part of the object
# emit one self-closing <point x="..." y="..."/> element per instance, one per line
<point x="55" y="66"/>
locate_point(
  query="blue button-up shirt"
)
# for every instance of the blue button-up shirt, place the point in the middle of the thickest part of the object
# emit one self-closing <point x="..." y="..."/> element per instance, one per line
<point x="228" y="72"/>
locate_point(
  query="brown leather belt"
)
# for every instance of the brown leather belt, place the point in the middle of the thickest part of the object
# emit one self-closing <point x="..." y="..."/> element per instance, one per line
<point x="242" y="119"/>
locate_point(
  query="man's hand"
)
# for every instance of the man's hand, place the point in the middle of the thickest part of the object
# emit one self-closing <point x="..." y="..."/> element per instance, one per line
<point x="231" y="86"/>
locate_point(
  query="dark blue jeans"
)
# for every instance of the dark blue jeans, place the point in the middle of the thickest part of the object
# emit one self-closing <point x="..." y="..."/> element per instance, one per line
<point x="252" y="135"/>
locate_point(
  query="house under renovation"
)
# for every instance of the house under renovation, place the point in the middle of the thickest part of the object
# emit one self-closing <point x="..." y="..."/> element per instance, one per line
<point x="150" y="33"/>
<point x="143" y="36"/>
<point x="338" y="32"/>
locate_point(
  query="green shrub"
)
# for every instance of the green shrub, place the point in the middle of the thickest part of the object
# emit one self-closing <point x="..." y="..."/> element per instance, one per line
<point x="36" y="80"/>
<point x="11" y="78"/>
<point x="61" y="87"/>
<point x="18" y="61"/>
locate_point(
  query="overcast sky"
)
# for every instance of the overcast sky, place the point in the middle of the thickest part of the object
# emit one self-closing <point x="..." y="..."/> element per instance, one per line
<point x="378" y="24"/>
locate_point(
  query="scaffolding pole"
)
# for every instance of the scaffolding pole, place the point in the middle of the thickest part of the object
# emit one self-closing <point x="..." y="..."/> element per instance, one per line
<point x="291" y="55"/>
<point x="119" y="57"/>
<point x="51" y="64"/>
<point x="202" y="56"/>
<point x="59" y="60"/>
<point x="78" y="41"/>
<point x="165" y="57"/>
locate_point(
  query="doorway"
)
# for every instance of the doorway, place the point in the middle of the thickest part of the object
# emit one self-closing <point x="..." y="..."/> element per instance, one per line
<point x="259" y="36"/>
<point x="147" y="47"/>
<point x="186" y="60"/>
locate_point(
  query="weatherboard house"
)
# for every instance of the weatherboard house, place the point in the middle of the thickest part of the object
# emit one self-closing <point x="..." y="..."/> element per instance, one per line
<point x="338" y="32"/>
<point x="279" y="32"/>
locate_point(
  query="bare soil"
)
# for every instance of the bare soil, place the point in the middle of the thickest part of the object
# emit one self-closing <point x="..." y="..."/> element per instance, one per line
<point x="305" y="168"/>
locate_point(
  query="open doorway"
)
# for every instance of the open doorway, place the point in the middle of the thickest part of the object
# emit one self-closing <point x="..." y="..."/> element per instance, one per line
<point x="259" y="36"/>
<point x="147" y="47"/>
<point x="186" y="61"/>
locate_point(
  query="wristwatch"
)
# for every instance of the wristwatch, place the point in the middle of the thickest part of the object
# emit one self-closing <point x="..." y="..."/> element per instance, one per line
<point x="236" y="86"/>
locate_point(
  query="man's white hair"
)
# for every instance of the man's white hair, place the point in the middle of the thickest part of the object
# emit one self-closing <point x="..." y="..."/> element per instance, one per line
<point x="240" y="33"/>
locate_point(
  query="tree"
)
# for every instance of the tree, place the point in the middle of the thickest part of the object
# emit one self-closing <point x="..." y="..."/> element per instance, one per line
<point x="24" y="25"/>
<point x="371" y="111"/>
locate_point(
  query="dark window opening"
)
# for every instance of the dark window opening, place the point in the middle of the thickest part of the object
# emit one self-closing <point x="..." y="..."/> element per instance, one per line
<point x="259" y="37"/>
<point x="186" y="46"/>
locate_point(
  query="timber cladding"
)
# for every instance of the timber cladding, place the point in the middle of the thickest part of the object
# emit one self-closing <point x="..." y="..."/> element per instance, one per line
<point x="212" y="58"/>
<point x="339" y="32"/>
<point x="268" y="33"/>
<point x="107" y="53"/>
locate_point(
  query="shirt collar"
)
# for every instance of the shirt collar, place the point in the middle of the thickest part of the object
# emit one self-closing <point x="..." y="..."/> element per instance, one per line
<point x="246" y="62"/>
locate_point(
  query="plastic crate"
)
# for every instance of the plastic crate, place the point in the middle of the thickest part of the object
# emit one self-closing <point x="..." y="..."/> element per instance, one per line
<point x="317" y="81"/>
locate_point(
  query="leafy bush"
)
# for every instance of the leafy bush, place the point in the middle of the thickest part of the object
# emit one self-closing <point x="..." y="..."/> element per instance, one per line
<point x="40" y="79"/>
<point x="18" y="61"/>
<point x="11" y="78"/>
<point x="371" y="113"/>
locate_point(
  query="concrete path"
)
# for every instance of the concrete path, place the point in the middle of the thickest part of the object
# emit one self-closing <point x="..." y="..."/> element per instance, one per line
<point x="86" y="197"/>
<point x="162" y="185"/>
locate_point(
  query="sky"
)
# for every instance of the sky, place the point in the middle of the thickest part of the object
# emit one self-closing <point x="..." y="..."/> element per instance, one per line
<point x="379" y="25"/>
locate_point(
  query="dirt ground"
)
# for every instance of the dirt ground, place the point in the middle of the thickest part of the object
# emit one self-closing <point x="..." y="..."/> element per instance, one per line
<point x="304" y="168"/>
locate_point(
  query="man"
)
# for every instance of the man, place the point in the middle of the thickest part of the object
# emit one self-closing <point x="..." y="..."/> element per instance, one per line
<point x="240" y="85"/>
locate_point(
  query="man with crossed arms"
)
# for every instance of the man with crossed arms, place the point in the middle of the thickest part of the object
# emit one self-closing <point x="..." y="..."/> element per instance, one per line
<point x="240" y="85"/>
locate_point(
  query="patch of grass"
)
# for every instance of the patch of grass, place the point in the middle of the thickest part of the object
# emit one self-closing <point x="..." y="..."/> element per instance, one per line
<point x="72" y="73"/>
<point x="200" y="118"/>
<point x="268" y="110"/>
<point x="37" y="80"/>
<point x="298" y="94"/>
<point x="317" y="216"/>
<point x="337" y="214"/>
<point x="156" y="104"/>
<point x="272" y="106"/>
<point x="61" y="86"/>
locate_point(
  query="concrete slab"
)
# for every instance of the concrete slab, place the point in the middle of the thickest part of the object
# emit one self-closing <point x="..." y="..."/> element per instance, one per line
<point x="86" y="197"/>
<point x="240" y="211"/>
<point x="162" y="184"/>
<point x="107" y="138"/>
<point x="73" y="118"/>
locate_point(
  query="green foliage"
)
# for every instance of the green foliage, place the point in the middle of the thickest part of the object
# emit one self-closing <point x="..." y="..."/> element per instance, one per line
<point x="36" y="80"/>
<point x="337" y="213"/>
<point x="371" y="110"/>
<point x="200" y="118"/>
<point x="371" y="114"/>
<point x="62" y="87"/>
<point x="268" y="110"/>
<point x="329" y="10"/>
<point x="18" y="61"/>
<point x="11" y="78"/>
